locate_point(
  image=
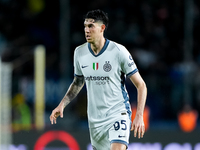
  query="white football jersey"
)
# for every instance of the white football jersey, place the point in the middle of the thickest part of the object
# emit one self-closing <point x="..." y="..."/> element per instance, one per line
<point x="105" y="80"/>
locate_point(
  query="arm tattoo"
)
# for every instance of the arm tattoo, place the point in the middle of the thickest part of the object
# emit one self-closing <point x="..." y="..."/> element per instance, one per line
<point x="73" y="90"/>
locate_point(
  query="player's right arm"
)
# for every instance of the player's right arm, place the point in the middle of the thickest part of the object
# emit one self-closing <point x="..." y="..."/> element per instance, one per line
<point x="72" y="92"/>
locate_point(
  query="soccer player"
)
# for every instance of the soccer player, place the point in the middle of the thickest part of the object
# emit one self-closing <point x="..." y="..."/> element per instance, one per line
<point x="103" y="65"/>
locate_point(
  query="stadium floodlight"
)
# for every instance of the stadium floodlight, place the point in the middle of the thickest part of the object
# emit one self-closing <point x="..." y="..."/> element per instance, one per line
<point x="39" y="73"/>
<point x="5" y="105"/>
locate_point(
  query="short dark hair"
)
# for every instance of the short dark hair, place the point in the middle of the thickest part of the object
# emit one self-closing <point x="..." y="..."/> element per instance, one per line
<point x="98" y="15"/>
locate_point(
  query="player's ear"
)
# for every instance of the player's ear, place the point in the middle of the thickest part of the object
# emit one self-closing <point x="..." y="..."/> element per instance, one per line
<point x="103" y="27"/>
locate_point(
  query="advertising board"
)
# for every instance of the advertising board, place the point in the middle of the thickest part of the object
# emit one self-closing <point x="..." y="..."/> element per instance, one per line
<point x="80" y="140"/>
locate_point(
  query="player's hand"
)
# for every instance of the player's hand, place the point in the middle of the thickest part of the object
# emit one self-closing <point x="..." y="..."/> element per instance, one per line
<point x="58" y="111"/>
<point x="138" y="127"/>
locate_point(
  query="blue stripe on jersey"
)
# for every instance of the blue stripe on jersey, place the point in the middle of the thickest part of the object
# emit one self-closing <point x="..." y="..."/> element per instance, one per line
<point x="102" y="50"/>
<point x="125" y="95"/>
<point x="132" y="72"/>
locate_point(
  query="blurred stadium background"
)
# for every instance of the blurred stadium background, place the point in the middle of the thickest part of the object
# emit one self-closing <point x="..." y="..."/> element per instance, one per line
<point x="163" y="37"/>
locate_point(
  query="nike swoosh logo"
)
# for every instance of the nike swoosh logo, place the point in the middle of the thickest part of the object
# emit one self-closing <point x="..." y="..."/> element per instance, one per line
<point x="84" y="66"/>
<point x="121" y="136"/>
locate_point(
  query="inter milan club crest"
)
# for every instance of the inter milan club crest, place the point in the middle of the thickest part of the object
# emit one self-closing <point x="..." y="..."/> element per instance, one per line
<point x="95" y="66"/>
<point x="107" y="67"/>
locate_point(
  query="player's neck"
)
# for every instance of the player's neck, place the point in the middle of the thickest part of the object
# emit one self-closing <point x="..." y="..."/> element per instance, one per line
<point x="98" y="45"/>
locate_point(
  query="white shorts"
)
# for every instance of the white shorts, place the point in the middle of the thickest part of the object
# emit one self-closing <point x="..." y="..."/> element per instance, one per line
<point x="115" y="132"/>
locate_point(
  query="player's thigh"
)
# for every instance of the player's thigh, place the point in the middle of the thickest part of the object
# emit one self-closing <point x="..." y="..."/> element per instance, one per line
<point x="99" y="139"/>
<point x="120" y="131"/>
<point x="117" y="146"/>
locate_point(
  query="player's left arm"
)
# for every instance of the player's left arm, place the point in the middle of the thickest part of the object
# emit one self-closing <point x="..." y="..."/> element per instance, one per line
<point x="138" y="123"/>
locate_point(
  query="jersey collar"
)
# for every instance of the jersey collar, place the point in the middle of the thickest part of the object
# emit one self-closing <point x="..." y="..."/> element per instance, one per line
<point x="102" y="50"/>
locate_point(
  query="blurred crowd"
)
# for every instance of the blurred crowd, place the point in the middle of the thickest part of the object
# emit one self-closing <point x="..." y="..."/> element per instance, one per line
<point x="152" y="30"/>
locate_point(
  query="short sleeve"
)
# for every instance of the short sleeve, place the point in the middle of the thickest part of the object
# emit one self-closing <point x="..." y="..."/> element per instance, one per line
<point x="127" y="63"/>
<point x="77" y="69"/>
